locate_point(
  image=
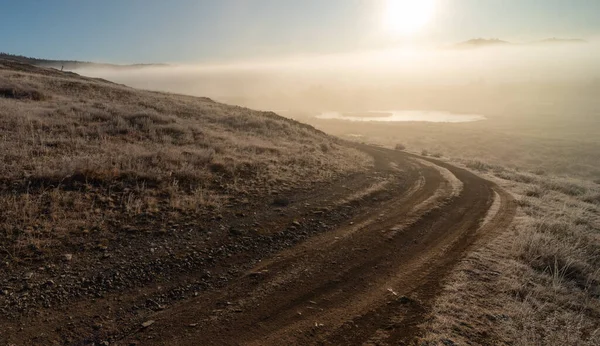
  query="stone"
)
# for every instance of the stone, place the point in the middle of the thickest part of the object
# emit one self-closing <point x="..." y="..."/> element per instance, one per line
<point x="148" y="323"/>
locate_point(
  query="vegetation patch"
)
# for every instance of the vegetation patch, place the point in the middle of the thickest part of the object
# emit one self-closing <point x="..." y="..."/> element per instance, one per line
<point x="97" y="155"/>
<point x="19" y="93"/>
<point x="539" y="282"/>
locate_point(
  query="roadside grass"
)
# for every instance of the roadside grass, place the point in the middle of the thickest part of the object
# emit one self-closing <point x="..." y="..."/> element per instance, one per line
<point x="80" y="155"/>
<point x="537" y="283"/>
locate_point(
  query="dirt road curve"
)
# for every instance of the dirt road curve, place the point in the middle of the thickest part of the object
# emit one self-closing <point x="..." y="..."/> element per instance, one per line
<point x="376" y="251"/>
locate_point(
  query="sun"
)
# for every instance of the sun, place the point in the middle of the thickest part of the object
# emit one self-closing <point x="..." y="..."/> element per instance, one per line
<point x="407" y="17"/>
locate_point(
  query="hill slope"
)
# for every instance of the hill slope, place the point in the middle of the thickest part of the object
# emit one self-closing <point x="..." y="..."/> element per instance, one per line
<point x="77" y="152"/>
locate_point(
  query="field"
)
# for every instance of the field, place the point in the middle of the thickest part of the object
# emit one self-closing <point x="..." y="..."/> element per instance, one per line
<point x="537" y="283"/>
<point x="138" y="217"/>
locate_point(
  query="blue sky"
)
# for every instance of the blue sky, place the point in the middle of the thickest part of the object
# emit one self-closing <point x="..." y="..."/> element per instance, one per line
<point x="129" y="31"/>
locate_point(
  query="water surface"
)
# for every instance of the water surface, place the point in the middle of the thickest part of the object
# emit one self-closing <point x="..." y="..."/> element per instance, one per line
<point x="402" y="115"/>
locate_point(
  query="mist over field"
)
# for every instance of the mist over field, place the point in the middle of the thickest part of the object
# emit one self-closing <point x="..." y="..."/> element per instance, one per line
<point x="403" y="77"/>
<point x="300" y="172"/>
<point x="537" y="99"/>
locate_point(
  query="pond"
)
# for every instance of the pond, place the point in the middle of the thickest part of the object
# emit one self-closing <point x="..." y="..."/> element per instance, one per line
<point x="402" y="115"/>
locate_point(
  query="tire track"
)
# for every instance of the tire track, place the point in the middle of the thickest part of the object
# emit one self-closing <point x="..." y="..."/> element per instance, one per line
<point x="370" y="282"/>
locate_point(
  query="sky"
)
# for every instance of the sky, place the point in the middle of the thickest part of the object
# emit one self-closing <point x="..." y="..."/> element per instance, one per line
<point x="190" y="31"/>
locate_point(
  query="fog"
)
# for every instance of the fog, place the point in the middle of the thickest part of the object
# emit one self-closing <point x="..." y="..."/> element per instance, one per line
<point x="402" y="77"/>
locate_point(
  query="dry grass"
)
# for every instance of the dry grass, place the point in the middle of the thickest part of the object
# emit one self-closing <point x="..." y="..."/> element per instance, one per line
<point x="20" y="93"/>
<point x="539" y="282"/>
<point x="83" y="155"/>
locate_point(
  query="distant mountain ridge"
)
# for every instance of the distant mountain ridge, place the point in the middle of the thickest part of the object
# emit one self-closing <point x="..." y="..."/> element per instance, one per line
<point x="484" y="42"/>
<point x="70" y="64"/>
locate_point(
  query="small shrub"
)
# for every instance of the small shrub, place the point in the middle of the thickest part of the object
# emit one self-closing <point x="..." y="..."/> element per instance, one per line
<point x="514" y="176"/>
<point x="98" y="116"/>
<point x="524" y="202"/>
<point x="200" y="157"/>
<point x="140" y="123"/>
<point x="558" y="228"/>
<point x="592" y="198"/>
<point x="547" y="254"/>
<point x="149" y="117"/>
<point x="117" y="126"/>
<point x="21" y="94"/>
<point x="478" y="165"/>
<point x="175" y="131"/>
<point x="424" y="153"/>
<point x="535" y="191"/>
<point x="219" y="168"/>
<point x="565" y="187"/>
<point x="400" y="146"/>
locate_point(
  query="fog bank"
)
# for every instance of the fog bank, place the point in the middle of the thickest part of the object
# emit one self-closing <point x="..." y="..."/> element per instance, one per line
<point x="395" y="77"/>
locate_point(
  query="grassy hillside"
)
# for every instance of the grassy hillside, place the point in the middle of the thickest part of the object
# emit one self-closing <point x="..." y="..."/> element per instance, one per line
<point x="82" y="155"/>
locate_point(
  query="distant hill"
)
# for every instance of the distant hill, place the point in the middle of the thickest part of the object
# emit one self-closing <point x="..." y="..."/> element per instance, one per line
<point x="481" y="42"/>
<point x="494" y="42"/>
<point x="69" y="64"/>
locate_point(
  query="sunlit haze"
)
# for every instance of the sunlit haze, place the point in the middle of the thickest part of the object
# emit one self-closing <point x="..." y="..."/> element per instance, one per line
<point x="320" y="54"/>
<point x="300" y="172"/>
<point x="191" y="31"/>
<point x="406" y="17"/>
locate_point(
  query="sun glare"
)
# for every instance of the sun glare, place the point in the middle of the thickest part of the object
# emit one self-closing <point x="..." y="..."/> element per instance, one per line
<point x="407" y="17"/>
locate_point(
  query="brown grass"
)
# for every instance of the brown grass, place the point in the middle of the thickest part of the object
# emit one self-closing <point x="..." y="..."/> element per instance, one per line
<point x="539" y="282"/>
<point x="21" y="93"/>
<point x="92" y="156"/>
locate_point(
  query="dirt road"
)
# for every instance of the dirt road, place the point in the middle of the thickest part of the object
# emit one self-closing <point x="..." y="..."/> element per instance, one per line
<point x="355" y="262"/>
